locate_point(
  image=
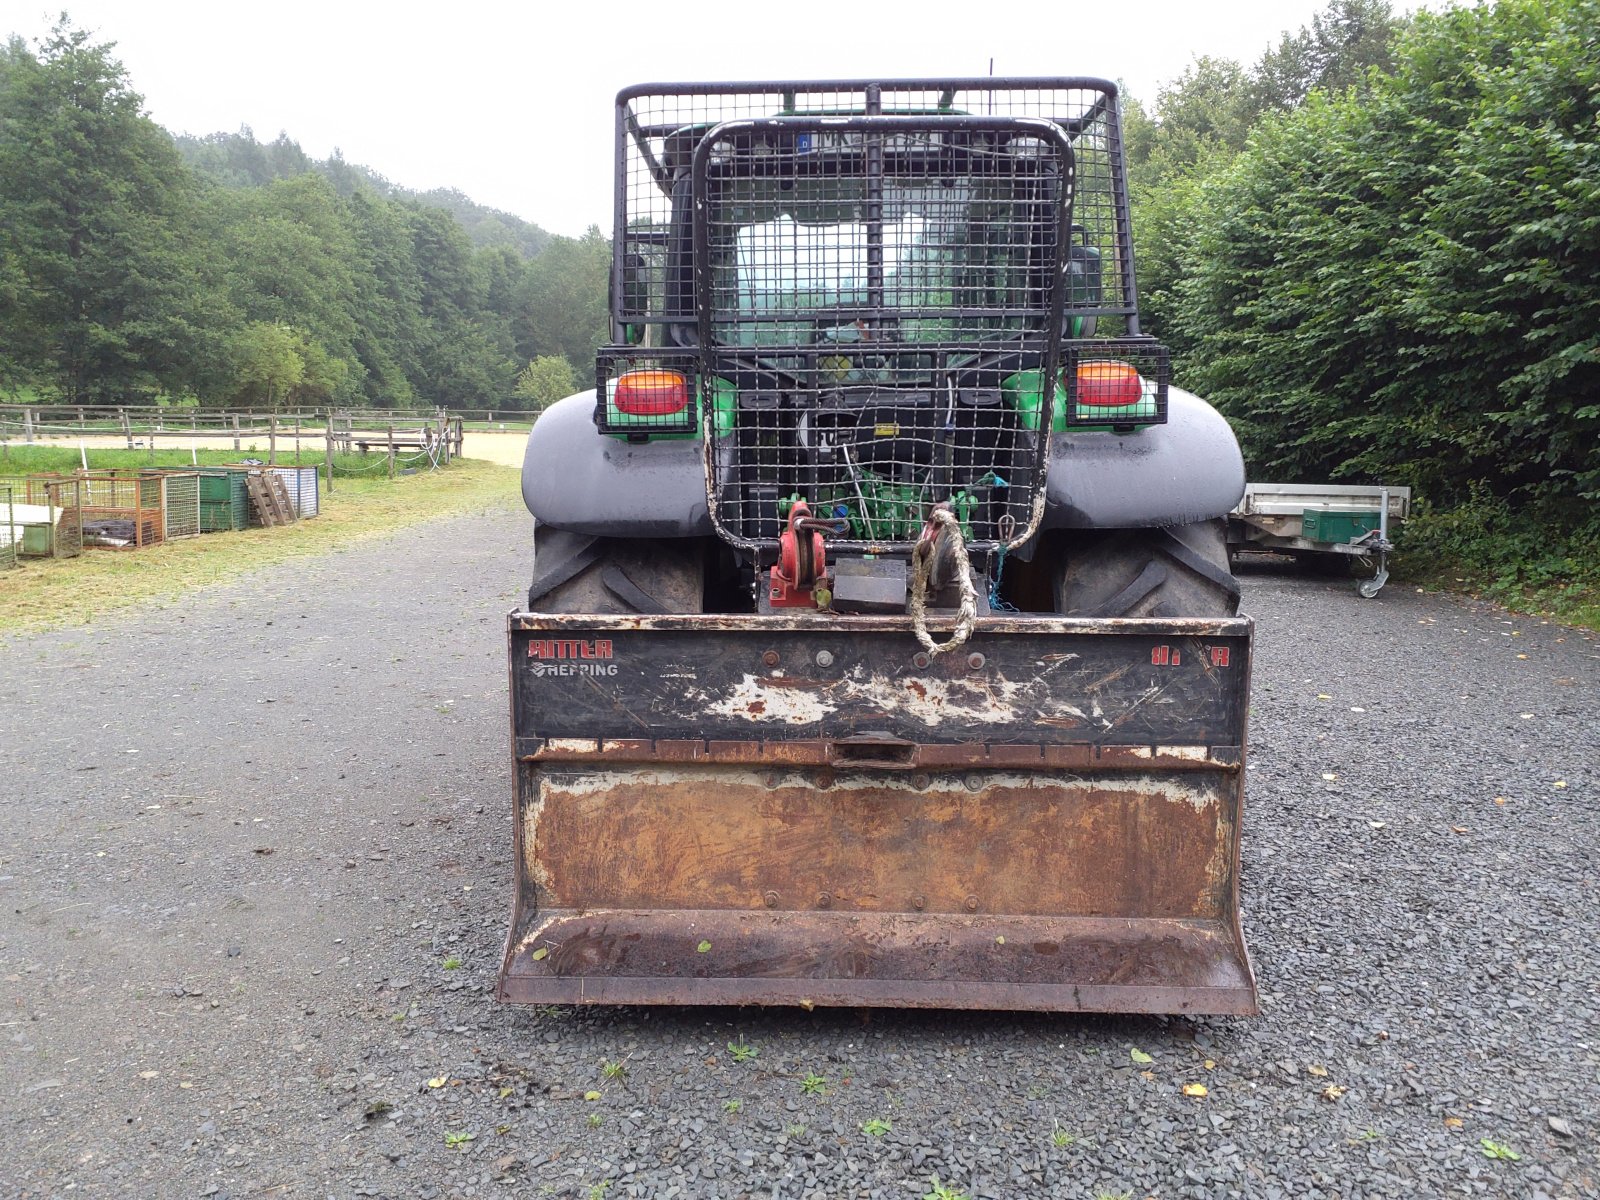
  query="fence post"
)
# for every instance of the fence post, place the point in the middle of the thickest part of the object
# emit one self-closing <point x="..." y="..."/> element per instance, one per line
<point x="272" y="439"/>
<point x="297" y="436"/>
<point x="127" y="427"/>
<point x="27" y="425"/>
<point x="391" y="452"/>
<point x="236" y="433"/>
<point x="328" y="433"/>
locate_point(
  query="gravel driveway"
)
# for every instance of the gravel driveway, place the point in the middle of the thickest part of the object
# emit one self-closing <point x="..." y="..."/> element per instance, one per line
<point x="255" y="862"/>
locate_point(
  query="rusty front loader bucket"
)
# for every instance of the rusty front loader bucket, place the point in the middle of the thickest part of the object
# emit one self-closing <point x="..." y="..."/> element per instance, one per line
<point x="805" y="810"/>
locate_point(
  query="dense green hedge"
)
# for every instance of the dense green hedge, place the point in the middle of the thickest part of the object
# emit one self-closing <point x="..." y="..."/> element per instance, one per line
<point x="1404" y="283"/>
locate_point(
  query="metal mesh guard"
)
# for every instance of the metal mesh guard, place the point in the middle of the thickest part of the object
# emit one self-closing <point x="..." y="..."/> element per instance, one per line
<point x="647" y="418"/>
<point x="1115" y="381"/>
<point x="659" y="125"/>
<point x="864" y="283"/>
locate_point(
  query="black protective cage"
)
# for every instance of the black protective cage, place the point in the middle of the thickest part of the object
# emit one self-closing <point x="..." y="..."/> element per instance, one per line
<point x="877" y="281"/>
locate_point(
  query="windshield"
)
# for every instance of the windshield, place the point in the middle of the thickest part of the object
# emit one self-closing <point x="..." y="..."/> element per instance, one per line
<point x="802" y="263"/>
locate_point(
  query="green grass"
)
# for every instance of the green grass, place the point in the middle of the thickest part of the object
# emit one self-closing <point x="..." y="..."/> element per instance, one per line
<point x="46" y="593"/>
<point x="1537" y="559"/>
<point x="23" y="459"/>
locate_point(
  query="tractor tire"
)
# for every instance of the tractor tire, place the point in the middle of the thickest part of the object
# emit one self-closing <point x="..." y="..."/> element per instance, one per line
<point x="1176" y="572"/>
<point x="575" y="573"/>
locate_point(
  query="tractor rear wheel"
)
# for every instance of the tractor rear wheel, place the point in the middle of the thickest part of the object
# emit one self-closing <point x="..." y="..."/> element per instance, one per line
<point x="576" y="573"/>
<point x="1177" y="572"/>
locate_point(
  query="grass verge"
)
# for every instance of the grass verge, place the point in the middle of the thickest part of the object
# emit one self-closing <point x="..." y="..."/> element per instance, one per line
<point x="1540" y="560"/>
<point x="44" y="593"/>
<point x="65" y="456"/>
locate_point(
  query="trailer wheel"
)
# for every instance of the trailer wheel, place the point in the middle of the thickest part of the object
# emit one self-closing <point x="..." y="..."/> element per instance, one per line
<point x="1176" y="572"/>
<point x="575" y="573"/>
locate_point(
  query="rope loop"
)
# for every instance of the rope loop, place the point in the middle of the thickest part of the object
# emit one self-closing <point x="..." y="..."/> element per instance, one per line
<point x="941" y="523"/>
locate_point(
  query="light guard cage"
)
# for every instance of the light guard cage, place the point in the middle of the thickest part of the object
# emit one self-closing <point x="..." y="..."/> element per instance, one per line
<point x="868" y="269"/>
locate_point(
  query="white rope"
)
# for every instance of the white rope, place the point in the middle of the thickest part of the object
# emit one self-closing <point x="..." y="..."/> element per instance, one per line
<point x="922" y="565"/>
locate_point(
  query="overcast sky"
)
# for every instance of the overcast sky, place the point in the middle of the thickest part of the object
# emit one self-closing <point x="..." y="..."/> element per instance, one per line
<point x="511" y="102"/>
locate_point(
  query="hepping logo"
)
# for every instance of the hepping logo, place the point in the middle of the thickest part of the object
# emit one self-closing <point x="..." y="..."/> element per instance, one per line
<point x="554" y="656"/>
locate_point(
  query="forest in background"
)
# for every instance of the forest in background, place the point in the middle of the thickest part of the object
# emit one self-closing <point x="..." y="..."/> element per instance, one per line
<point x="1376" y="248"/>
<point x="136" y="266"/>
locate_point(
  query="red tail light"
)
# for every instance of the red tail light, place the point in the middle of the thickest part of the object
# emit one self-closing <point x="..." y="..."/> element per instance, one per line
<point x="1105" y="384"/>
<point x="651" y="393"/>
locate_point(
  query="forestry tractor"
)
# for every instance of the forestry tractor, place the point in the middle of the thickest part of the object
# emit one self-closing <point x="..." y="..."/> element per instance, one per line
<point x="881" y="647"/>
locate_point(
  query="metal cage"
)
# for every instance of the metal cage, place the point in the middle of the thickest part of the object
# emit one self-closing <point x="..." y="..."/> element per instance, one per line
<point x="658" y="127"/>
<point x="872" y="293"/>
<point x="9" y="531"/>
<point x="45" y="516"/>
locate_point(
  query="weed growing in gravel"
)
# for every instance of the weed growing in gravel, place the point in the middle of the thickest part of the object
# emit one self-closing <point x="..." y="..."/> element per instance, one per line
<point x="1497" y="1150"/>
<point x="940" y="1192"/>
<point x="732" y="1107"/>
<point x="614" y="1070"/>
<point x="452" y="964"/>
<point x="1113" y="1196"/>
<point x="794" y="1131"/>
<point x="814" y="1085"/>
<point x="597" y="1191"/>
<point x="458" y="1139"/>
<point x="1366" y="1135"/>
<point x="594" y="1120"/>
<point x="875" y="1127"/>
<point x="1061" y="1138"/>
<point x="742" y="1051"/>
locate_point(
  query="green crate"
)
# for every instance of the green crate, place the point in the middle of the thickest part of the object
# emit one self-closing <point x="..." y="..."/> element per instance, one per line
<point x="36" y="541"/>
<point x="1337" y="526"/>
<point x="224" y="500"/>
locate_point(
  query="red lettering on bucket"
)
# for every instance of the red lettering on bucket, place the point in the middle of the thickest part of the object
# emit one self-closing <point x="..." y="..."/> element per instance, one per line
<point x="551" y="649"/>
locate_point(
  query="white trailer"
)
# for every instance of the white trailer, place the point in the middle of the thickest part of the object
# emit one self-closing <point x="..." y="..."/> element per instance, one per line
<point x="1340" y="521"/>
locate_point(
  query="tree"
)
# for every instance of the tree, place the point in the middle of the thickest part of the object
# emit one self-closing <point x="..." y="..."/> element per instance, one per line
<point x="545" y="380"/>
<point x="562" y="305"/>
<point x="100" y="293"/>
<point x="267" y="363"/>
<point x="1343" y="42"/>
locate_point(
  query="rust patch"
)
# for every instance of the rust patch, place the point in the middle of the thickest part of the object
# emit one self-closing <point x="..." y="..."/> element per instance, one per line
<point x="1090" y="844"/>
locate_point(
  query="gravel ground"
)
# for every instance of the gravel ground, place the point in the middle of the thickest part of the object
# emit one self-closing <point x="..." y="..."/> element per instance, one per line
<point x="254" y="864"/>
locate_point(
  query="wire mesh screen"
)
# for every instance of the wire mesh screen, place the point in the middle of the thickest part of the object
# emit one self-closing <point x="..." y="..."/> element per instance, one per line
<point x="180" y="503"/>
<point x="852" y="275"/>
<point x="46" y="515"/>
<point x="640" y="393"/>
<point x="10" y="533"/>
<point x="659" y="127"/>
<point x="1115" y="381"/>
<point x="122" y="510"/>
